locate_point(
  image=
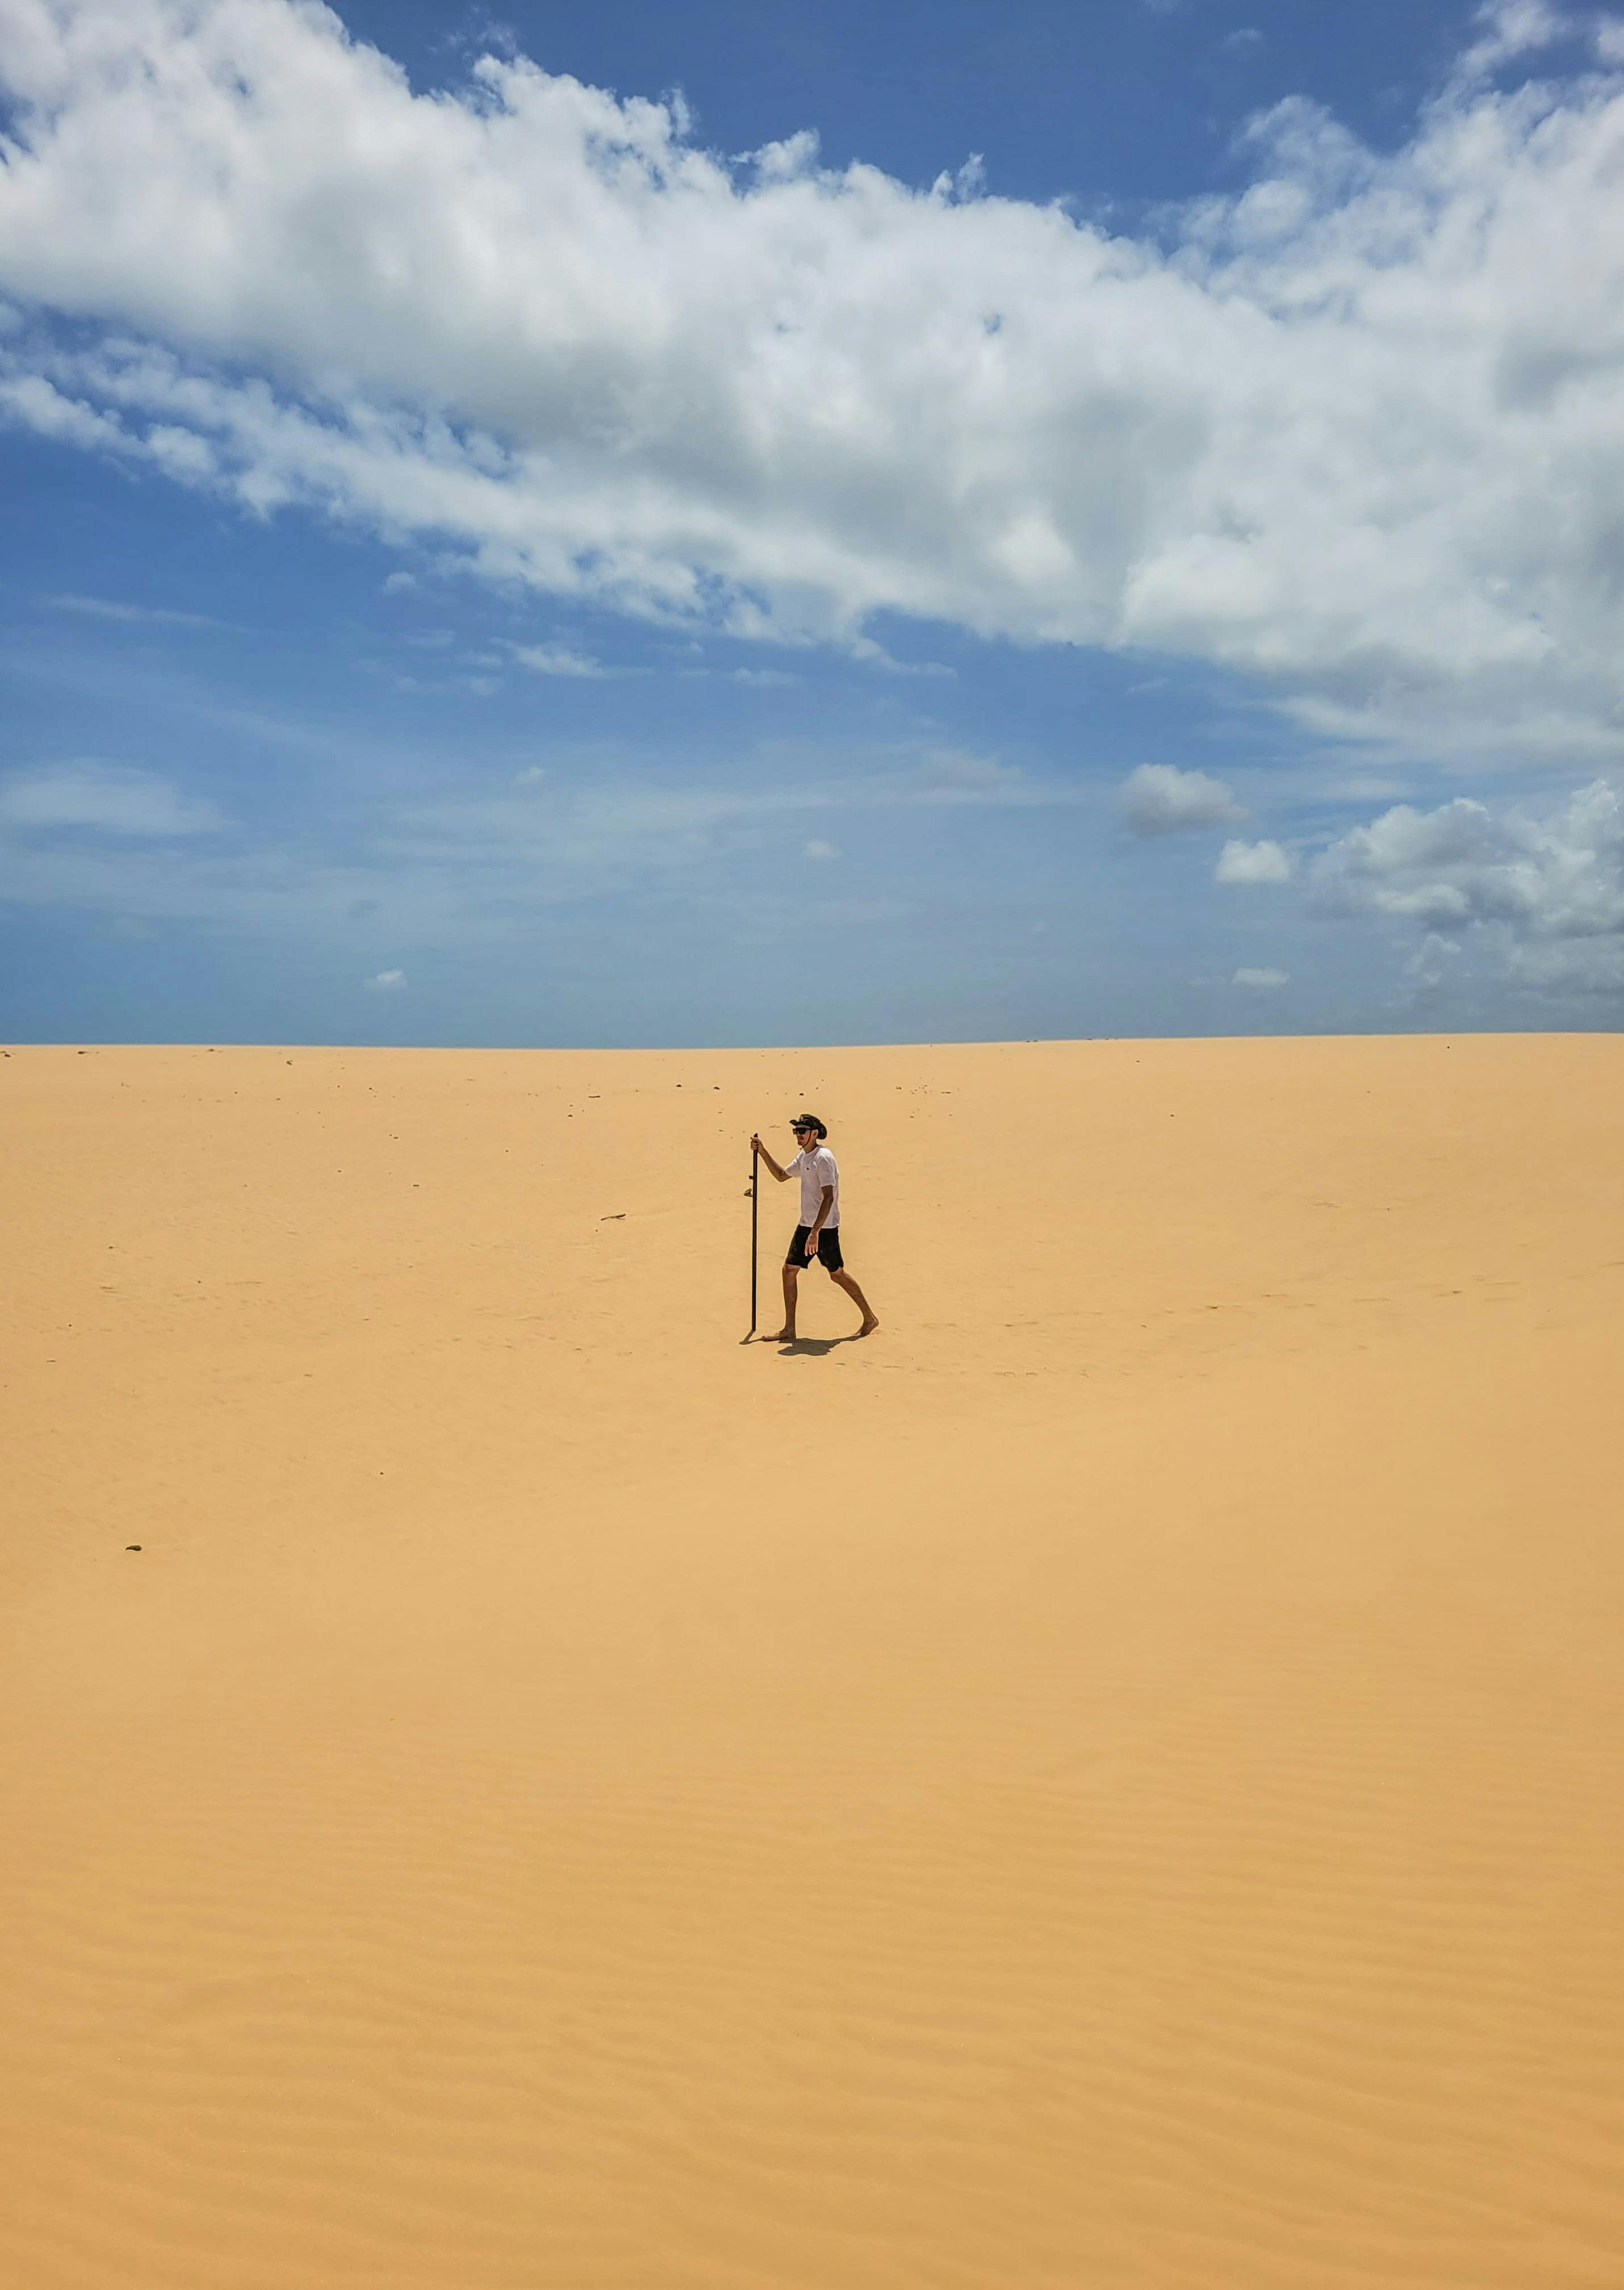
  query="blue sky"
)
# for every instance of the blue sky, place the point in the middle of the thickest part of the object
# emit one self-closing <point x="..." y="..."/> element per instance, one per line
<point x="733" y="525"/>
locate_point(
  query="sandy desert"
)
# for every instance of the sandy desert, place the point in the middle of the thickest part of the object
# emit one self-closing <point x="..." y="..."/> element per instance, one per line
<point x="1110" y="1783"/>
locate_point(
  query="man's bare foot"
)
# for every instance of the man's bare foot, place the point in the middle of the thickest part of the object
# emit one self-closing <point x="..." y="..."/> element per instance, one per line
<point x="869" y="1327"/>
<point x="784" y="1336"/>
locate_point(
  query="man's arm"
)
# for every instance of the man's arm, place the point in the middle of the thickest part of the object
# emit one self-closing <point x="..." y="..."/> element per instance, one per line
<point x="758" y="1147"/>
<point x="824" y="1206"/>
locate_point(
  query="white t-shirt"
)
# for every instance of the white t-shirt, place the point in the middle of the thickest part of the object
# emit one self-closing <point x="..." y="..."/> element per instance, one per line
<point x="817" y="1170"/>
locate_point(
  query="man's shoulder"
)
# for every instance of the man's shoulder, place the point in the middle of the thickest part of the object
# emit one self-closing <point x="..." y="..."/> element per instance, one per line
<point x="824" y="1158"/>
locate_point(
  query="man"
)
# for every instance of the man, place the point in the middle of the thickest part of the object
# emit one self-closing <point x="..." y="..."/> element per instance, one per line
<point x="818" y="1234"/>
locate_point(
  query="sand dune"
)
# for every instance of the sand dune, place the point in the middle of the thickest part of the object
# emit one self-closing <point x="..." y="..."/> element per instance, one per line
<point x="1111" y="1781"/>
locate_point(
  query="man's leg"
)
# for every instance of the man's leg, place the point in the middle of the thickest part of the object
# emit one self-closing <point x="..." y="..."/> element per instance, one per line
<point x="786" y="1334"/>
<point x="845" y="1280"/>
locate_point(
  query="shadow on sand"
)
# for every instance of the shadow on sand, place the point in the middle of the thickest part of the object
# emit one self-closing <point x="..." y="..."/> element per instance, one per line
<point x="813" y="1347"/>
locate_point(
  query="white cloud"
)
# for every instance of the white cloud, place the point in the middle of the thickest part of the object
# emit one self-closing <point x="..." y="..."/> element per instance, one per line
<point x="1435" y="865"/>
<point x="1359" y="428"/>
<point x="1510" y="29"/>
<point x="433" y="687"/>
<point x="957" y="776"/>
<point x="1536" y="900"/>
<point x="1253" y="862"/>
<point x="103" y="608"/>
<point x="870" y="654"/>
<point x="387" y="981"/>
<point x="1435" y="961"/>
<point x="818" y="848"/>
<point x="1546" y="896"/>
<point x="556" y="659"/>
<point x="101" y="799"/>
<point x="1159" y="800"/>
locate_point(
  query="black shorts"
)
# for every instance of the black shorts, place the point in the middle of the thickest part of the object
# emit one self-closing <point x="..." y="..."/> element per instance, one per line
<point x="828" y="1249"/>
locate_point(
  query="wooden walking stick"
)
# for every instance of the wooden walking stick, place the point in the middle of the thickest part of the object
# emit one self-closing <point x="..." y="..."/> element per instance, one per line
<point x="754" y="1172"/>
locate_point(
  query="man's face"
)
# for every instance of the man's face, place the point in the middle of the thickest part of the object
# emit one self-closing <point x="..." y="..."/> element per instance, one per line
<point x="806" y="1135"/>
